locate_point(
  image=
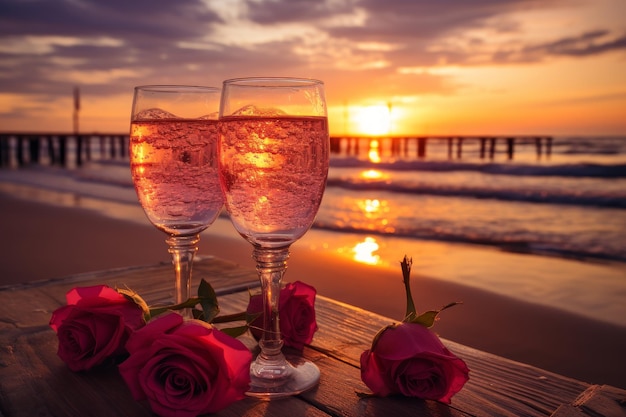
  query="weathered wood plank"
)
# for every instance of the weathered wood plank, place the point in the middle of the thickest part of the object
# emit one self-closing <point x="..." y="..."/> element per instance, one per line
<point x="497" y="386"/>
<point x="154" y="278"/>
<point x="337" y="394"/>
<point x="34" y="381"/>
<point x="31" y="304"/>
<point x="597" y="400"/>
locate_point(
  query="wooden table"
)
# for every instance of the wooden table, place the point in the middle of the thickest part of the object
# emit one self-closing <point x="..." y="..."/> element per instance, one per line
<point x="35" y="382"/>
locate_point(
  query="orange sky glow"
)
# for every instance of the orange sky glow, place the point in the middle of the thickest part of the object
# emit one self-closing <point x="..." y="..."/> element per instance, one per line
<point x="390" y="68"/>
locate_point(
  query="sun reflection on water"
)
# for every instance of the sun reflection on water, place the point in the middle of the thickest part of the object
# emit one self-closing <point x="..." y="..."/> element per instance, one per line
<point x="372" y="174"/>
<point x="364" y="251"/>
<point x="374" y="152"/>
<point x="370" y="206"/>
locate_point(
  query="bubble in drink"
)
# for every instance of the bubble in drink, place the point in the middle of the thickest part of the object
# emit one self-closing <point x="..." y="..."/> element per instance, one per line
<point x="251" y="110"/>
<point x="273" y="171"/>
<point x="154" y="114"/>
<point x="175" y="171"/>
<point x="210" y="116"/>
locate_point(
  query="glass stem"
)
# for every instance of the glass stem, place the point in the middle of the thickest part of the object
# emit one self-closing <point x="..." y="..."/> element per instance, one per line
<point x="183" y="249"/>
<point x="271" y="264"/>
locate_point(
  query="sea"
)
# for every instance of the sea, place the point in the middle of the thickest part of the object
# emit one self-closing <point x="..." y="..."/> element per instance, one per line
<point x="545" y="225"/>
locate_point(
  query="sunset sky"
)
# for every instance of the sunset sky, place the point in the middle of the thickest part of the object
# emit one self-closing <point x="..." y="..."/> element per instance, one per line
<point x="553" y="67"/>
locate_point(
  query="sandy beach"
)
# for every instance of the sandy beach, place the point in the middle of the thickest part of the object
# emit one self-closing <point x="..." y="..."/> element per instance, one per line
<point x="42" y="241"/>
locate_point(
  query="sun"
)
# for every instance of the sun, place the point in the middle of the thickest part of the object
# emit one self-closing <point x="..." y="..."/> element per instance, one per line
<point x="372" y="120"/>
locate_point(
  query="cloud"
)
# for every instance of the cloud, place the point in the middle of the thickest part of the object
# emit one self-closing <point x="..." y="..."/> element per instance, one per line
<point x="48" y="46"/>
<point x="589" y="43"/>
<point x="424" y="20"/>
<point x="159" y="19"/>
<point x="44" y="39"/>
<point x="279" y="11"/>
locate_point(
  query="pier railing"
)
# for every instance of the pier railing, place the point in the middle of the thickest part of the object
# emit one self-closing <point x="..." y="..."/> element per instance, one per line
<point x="72" y="150"/>
<point x="63" y="149"/>
<point x="417" y="146"/>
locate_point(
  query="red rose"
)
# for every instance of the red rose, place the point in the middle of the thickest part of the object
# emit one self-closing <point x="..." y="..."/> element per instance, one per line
<point x="296" y="314"/>
<point x="94" y="326"/>
<point x="185" y="368"/>
<point x="409" y="359"/>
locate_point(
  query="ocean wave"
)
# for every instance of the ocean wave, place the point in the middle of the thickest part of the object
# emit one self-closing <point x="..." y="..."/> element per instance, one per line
<point x="576" y="170"/>
<point x="117" y="174"/>
<point x="571" y="250"/>
<point x="529" y="195"/>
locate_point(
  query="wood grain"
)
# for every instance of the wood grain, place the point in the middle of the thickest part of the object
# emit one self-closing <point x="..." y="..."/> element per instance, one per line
<point x="35" y="382"/>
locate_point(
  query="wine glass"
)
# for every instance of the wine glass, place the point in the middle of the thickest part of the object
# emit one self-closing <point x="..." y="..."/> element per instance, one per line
<point x="273" y="157"/>
<point x="173" y="162"/>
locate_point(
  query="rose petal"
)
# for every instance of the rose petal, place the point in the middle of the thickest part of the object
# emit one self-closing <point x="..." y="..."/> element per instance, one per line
<point x="144" y="337"/>
<point x="411" y="360"/>
<point x="296" y="314"/>
<point x="186" y="368"/>
<point x="374" y="376"/>
<point x="403" y="341"/>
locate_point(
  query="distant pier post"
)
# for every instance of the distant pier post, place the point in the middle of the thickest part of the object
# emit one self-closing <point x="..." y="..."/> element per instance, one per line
<point x="87" y="145"/>
<point x="33" y="150"/>
<point x="395" y="146"/>
<point x="63" y="150"/>
<point x="405" y="144"/>
<point x="20" y="150"/>
<point x="52" y="154"/>
<point x="335" y="144"/>
<point x="102" y="145"/>
<point x="122" y="141"/>
<point x="421" y="147"/>
<point x="538" y="147"/>
<point x="510" y="147"/>
<point x="112" y="150"/>
<point x="492" y="147"/>
<point x="459" y="147"/>
<point x="483" y="146"/>
<point x="450" y="143"/>
<point x="79" y="150"/>
<point x="4" y="150"/>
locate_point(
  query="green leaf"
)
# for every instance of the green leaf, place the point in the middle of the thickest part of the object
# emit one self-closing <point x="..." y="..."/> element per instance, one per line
<point x="243" y="316"/>
<point x="235" y="331"/>
<point x="428" y="318"/>
<point x="197" y="314"/>
<point x="208" y="301"/>
<point x="189" y="303"/>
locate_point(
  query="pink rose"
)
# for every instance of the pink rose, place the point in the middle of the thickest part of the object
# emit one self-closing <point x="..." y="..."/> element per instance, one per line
<point x="185" y="368"/>
<point x="94" y="326"/>
<point x="409" y="359"/>
<point x="296" y="314"/>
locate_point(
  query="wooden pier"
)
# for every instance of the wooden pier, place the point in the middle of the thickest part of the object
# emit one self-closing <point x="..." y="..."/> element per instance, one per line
<point x="416" y="146"/>
<point x="62" y="149"/>
<point x="71" y="150"/>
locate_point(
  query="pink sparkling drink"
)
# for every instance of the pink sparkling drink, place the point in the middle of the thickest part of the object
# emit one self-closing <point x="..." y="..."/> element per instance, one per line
<point x="175" y="172"/>
<point x="273" y="172"/>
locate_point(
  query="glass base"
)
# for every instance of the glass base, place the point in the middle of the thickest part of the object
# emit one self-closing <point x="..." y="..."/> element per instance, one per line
<point x="301" y="375"/>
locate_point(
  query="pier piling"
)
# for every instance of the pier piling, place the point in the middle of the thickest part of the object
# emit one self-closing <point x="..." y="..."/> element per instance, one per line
<point x="66" y="150"/>
<point x="71" y="150"/>
<point x="403" y="146"/>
